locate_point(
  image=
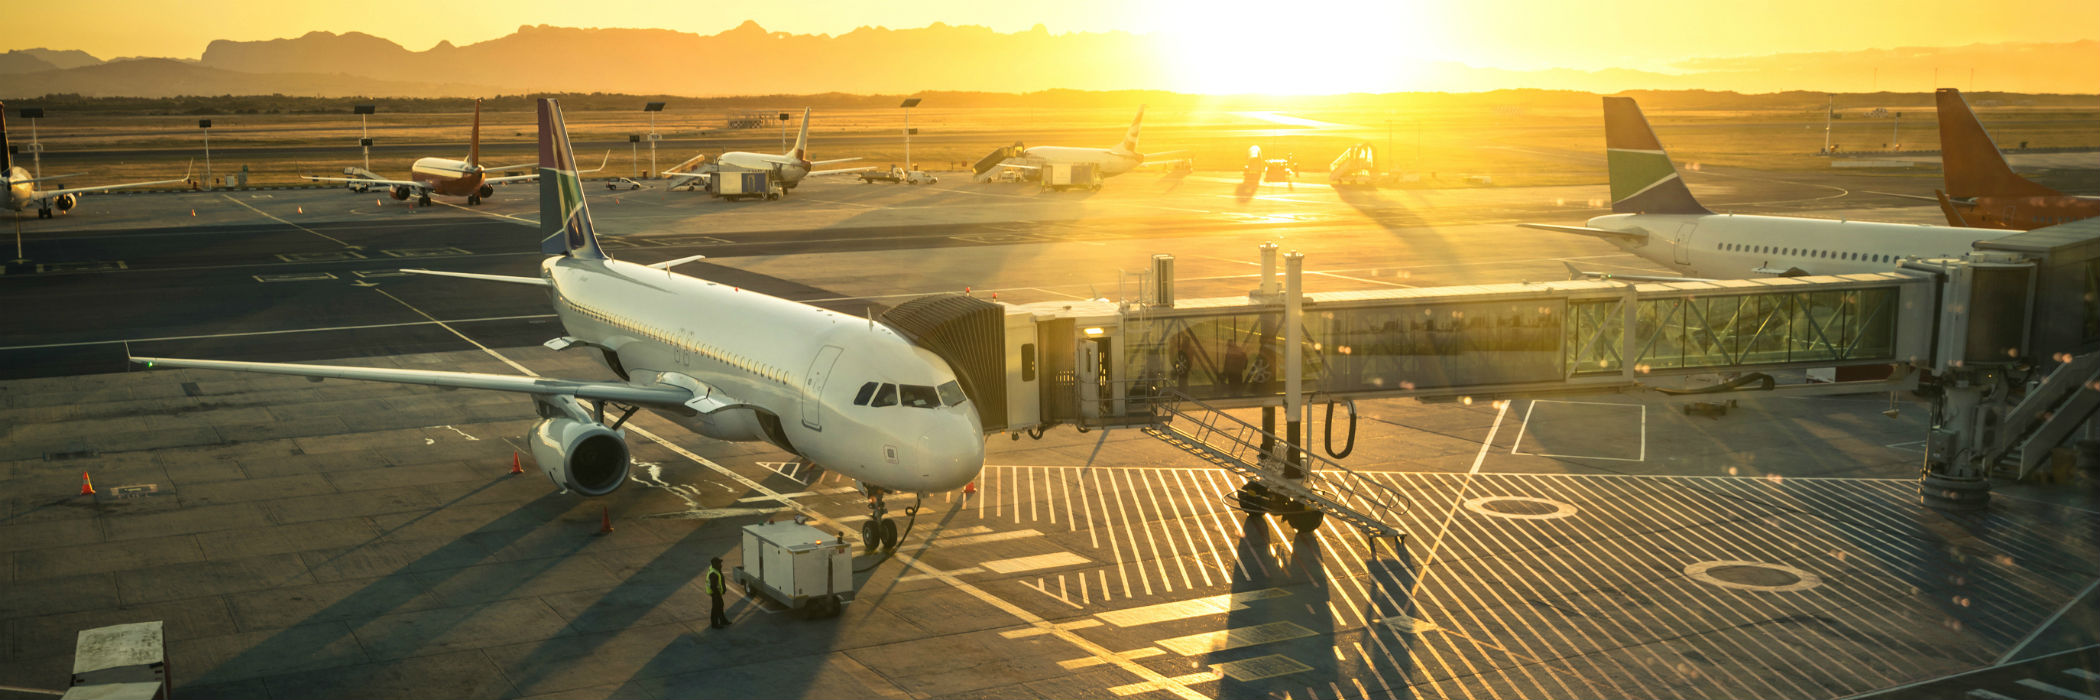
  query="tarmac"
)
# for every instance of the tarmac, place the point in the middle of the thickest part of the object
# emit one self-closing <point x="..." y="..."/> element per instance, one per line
<point x="345" y="539"/>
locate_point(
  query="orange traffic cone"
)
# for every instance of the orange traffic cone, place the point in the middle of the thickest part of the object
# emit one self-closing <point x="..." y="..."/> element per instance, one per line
<point x="193" y="212"/>
<point x="515" y="468"/>
<point x="969" y="489"/>
<point x="87" y="488"/>
<point x="302" y="210"/>
<point x="605" y="525"/>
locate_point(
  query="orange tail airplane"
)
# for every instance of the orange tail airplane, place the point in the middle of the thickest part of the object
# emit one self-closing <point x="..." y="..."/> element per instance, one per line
<point x="444" y="176"/>
<point x="1984" y="192"/>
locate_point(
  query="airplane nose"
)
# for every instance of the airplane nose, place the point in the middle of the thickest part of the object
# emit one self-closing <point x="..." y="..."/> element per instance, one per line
<point x="950" y="456"/>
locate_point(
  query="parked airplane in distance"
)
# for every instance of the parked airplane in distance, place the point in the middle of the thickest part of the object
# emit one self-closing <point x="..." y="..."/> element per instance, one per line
<point x="847" y="393"/>
<point x="23" y="194"/>
<point x="1982" y="190"/>
<point x="444" y="176"/>
<point x="1657" y="218"/>
<point x="788" y="169"/>
<point x="1108" y="162"/>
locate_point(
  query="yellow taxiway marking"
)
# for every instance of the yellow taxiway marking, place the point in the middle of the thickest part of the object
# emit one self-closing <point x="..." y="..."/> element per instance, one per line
<point x="1183" y="609"/>
<point x="1027" y="632"/>
<point x="1234" y="638"/>
<point x="1090" y="662"/>
<point x="1039" y="561"/>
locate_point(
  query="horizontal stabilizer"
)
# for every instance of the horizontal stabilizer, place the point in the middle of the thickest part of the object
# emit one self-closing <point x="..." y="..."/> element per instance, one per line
<point x="534" y="281"/>
<point x="1607" y="234"/>
<point x="674" y="262"/>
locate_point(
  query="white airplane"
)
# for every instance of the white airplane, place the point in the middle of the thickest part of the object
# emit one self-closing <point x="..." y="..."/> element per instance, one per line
<point x="444" y="176"/>
<point x="23" y="194"/>
<point x="1657" y="218"/>
<point x="788" y="170"/>
<point x="845" y="393"/>
<point x="1108" y="162"/>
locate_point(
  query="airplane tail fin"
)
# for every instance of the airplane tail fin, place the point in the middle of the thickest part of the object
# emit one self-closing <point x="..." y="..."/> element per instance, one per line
<point x="1643" y="180"/>
<point x="7" y="157"/>
<point x="565" y="220"/>
<point x="1971" y="161"/>
<point x="1130" y="138"/>
<point x="474" y="137"/>
<point x="801" y="151"/>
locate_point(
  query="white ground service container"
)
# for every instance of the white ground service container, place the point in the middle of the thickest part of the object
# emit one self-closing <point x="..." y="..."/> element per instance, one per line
<point x="1063" y="176"/>
<point x="800" y="566"/>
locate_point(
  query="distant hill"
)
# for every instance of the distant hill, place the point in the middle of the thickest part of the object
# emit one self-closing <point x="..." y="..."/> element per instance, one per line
<point x="749" y="60"/>
<point x="159" y="77"/>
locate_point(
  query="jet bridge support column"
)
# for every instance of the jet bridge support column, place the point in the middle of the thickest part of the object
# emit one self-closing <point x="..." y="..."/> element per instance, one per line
<point x="1294" y="361"/>
<point x="1266" y="293"/>
<point x="1956" y="476"/>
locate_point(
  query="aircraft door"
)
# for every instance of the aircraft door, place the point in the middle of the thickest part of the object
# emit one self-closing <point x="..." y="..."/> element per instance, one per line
<point x="1684" y="242"/>
<point x="813" y="398"/>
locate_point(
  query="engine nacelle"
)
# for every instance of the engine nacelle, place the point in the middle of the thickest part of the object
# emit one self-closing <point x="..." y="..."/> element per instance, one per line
<point x="486" y="190"/>
<point x="401" y="193"/>
<point x="581" y="456"/>
<point x="65" y="202"/>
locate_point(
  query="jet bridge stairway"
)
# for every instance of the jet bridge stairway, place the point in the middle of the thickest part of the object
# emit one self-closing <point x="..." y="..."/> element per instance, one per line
<point x="1328" y="490"/>
<point x="2050" y="413"/>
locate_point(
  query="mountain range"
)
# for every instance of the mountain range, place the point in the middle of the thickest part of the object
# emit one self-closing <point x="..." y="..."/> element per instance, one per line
<point x="750" y="60"/>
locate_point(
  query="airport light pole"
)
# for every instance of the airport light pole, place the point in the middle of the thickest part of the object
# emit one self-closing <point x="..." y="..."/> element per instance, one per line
<point x="908" y="104"/>
<point x="36" y="148"/>
<point x="784" y="117"/>
<point x="634" y="158"/>
<point x="364" y="132"/>
<point x="652" y="108"/>
<point x="204" y="125"/>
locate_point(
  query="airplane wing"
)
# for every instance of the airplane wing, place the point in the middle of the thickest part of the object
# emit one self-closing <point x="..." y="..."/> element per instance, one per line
<point x="1606" y="234"/>
<point x="373" y="182"/>
<point x="834" y="160"/>
<point x="1150" y="156"/>
<point x="693" y="174"/>
<point x="841" y="171"/>
<point x="47" y="194"/>
<point x="520" y="166"/>
<point x="1779" y="272"/>
<point x="601" y="163"/>
<point x="1904" y="196"/>
<point x="535" y="281"/>
<point x="655" y="395"/>
<point x="511" y="178"/>
<point x="1576" y="273"/>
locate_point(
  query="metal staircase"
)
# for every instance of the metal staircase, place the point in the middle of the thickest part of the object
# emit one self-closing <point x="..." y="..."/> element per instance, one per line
<point x="1235" y="445"/>
<point x="2064" y="400"/>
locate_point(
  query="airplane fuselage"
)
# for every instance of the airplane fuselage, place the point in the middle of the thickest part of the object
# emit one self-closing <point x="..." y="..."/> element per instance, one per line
<point x="452" y="178"/>
<point x="786" y="373"/>
<point x="21" y="193"/>
<point x="1734" y="245"/>
<point x="1108" y="162"/>
<point x="788" y="170"/>
<point x="2024" y="213"/>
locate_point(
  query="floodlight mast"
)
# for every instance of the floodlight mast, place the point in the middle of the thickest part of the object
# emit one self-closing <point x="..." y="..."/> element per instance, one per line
<point x="364" y="131"/>
<point x="36" y="147"/>
<point x="652" y="108"/>
<point x="908" y="104"/>
<point x="204" y="125"/>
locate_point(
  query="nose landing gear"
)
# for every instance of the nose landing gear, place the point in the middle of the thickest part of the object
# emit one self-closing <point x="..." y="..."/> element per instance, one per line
<point x="879" y="531"/>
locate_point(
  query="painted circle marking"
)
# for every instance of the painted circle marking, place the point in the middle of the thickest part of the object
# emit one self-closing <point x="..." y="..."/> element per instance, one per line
<point x="1704" y="572"/>
<point x="1559" y="510"/>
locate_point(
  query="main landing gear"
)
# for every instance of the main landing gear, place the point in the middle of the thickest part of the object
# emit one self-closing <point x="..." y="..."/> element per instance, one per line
<point x="880" y="531"/>
<point x="473" y="200"/>
<point x="423" y="201"/>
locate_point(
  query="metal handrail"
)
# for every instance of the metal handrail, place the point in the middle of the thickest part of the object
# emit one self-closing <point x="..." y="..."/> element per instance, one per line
<point x="1243" y="437"/>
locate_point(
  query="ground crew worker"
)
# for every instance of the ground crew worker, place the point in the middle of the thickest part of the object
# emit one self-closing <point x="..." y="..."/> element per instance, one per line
<point x="715" y="589"/>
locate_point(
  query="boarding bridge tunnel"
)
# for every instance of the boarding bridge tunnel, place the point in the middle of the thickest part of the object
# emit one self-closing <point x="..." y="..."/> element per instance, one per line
<point x="2006" y="342"/>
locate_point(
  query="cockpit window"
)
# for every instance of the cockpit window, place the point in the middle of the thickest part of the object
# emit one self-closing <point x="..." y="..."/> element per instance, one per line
<point x="885" y="396"/>
<point x="951" y="393"/>
<point x="867" y="391"/>
<point x="920" y="396"/>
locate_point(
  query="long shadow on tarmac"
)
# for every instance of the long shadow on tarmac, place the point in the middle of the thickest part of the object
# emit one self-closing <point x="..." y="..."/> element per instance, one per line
<point x="297" y="647"/>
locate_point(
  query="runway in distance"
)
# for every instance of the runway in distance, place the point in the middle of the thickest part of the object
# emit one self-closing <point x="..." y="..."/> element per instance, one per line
<point x="23" y="194"/>
<point x="1656" y="217"/>
<point x="787" y="169"/>
<point x="1108" y="162"/>
<point x="848" y="394"/>
<point x="1982" y="189"/>
<point x="444" y="176"/>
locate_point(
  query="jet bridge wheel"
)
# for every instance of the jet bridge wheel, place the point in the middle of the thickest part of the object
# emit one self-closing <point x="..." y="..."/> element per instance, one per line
<point x="1306" y="521"/>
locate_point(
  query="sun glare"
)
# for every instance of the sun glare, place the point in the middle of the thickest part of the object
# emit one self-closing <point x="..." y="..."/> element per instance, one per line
<point x="1276" y="48"/>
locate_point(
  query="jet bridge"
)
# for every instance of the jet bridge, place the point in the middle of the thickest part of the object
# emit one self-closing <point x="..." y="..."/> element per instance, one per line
<point x="2007" y="384"/>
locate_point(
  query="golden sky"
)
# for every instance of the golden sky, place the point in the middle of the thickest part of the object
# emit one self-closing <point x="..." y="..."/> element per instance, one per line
<point x="1330" y="45"/>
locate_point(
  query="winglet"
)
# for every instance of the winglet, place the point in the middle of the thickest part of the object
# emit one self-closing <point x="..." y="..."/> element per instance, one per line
<point x="1575" y="273"/>
<point x="1970" y="159"/>
<point x="1643" y="180"/>
<point x="565" y="219"/>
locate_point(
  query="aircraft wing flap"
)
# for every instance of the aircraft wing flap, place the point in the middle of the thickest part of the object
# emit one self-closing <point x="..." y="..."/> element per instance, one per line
<point x="659" y="395"/>
<point x="1018" y="166"/>
<point x="834" y="160"/>
<point x="1607" y="234"/>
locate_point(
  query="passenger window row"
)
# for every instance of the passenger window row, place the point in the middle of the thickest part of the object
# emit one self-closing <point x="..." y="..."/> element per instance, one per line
<point x="878" y="394"/>
<point x="1809" y="252"/>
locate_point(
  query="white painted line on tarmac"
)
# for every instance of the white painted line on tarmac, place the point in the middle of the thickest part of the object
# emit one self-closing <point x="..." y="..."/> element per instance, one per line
<point x="1035" y="563"/>
<point x="273" y="217"/>
<point x="1458" y="501"/>
<point x="2007" y="657"/>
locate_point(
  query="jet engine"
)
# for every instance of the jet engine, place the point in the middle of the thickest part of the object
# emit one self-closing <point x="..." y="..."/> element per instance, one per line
<point x="578" y="453"/>
<point x="401" y="193"/>
<point x="65" y="202"/>
<point x="486" y="190"/>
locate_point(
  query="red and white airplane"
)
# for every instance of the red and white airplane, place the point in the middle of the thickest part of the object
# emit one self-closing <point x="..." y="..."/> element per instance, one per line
<point x="445" y="176"/>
